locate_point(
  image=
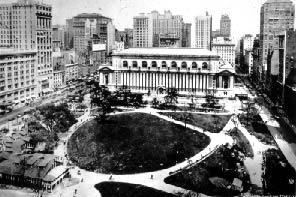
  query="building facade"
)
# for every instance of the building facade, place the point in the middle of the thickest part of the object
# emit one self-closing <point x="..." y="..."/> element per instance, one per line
<point x="142" y="31"/>
<point x="59" y="78"/>
<point x="275" y="16"/>
<point x="161" y="30"/>
<point x="225" y="26"/>
<point x="71" y="72"/>
<point x="246" y="46"/>
<point x="166" y="26"/>
<point x="225" y="49"/>
<point x="281" y="62"/>
<point x="203" y="31"/>
<point x="249" y="61"/>
<point x="58" y="37"/>
<point x="27" y="26"/>
<point x="69" y="34"/>
<point x="186" y="35"/>
<point x="149" y="69"/>
<point x="18" y="73"/>
<point x="110" y="37"/>
<point x="85" y="26"/>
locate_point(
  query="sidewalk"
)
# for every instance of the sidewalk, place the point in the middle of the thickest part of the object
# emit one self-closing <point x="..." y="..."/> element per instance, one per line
<point x="273" y="127"/>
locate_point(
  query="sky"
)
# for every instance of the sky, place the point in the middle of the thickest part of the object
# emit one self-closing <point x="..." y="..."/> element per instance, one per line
<point x="244" y="14"/>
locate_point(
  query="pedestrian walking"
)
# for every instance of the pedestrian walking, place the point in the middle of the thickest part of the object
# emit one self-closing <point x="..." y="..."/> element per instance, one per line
<point x="110" y="178"/>
<point x="151" y="177"/>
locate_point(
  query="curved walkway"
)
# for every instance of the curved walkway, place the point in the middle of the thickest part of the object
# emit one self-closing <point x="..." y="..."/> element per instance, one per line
<point x="254" y="165"/>
<point x="92" y="178"/>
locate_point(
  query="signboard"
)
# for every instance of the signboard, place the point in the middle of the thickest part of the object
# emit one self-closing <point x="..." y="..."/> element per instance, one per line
<point x="99" y="47"/>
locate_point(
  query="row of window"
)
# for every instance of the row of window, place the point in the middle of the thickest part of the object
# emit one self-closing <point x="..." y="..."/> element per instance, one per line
<point x="164" y="64"/>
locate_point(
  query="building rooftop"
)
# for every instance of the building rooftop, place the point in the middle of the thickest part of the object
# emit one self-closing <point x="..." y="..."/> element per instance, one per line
<point x="55" y="173"/>
<point x="192" y="52"/>
<point x="90" y="15"/>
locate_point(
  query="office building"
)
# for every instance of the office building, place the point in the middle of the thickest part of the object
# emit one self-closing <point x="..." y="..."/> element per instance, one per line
<point x="110" y="37"/>
<point x="203" y="31"/>
<point x="224" y="47"/>
<point x="225" y="26"/>
<point x="126" y="37"/>
<point x="26" y="27"/>
<point x="71" y="72"/>
<point x="18" y="76"/>
<point x="69" y="34"/>
<point x="246" y="46"/>
<point x="275" y="16"/>
<point x="142" y="31"/>
<point x="281" y="62"/>
<point x="186" y="35"/>
<point x="161" y="30"/>
<point x="85" y="26"/>
<point x="58" y="37"/>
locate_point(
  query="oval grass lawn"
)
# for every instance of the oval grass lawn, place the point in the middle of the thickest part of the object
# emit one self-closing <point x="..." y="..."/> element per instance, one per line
<point x="133" y="143"/>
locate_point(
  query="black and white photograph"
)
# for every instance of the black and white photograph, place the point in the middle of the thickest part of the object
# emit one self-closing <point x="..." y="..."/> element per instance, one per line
<point x="147" y="98"/>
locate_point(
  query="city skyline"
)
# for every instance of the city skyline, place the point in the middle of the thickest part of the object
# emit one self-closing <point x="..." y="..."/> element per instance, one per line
<point x="244" y="14"/>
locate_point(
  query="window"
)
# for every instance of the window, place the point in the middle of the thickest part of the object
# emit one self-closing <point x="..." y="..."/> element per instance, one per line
<point x="153" y="64"/>
<point x="125" y="64"/>
<point x="194" y="65"/>
<point x="204" y="65"/>
<point x="174" y="64"/>
<point x="144" y="64"/>
<point x="163" y="64"/>
<point x="184" y="65"/>
<point x="135" y="64"/>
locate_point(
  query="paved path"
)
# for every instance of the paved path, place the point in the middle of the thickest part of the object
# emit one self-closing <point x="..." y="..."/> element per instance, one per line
<point x="92" y="178"/>
<point x="254" y="165"/>
<point x="273" y="127"/>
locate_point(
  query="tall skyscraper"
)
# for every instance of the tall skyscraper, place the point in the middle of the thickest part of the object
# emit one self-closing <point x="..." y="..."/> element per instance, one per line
<point x="58" y="37"/>
<point x="142" y="31"/>
<point x="275" y="16"/>
<point x="186" y="35"/>
<point x="167" y="29"/>
<point x="110" y="37"/>
<point x="203" y="31"/>
<point x="161" y="30"/>
<point x="69" y="34"/>
<point x="225" y="26"/>
<point x="85" y="26"/>
<point x="26" y="26"/>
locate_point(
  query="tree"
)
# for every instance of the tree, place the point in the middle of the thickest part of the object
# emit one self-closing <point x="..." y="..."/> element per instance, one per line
<point x="57" y="118"/>
<point x="171" y="98"/>
<point x="155" y="102"/>
<point x="104" y="100"/>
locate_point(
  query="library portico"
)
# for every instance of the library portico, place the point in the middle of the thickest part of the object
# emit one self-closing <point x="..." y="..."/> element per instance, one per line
<point x="188" y="70"/>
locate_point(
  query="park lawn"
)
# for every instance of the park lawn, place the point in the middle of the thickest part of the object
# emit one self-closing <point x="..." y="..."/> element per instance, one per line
<point x="133" y="143"/>
<point x="219" y="165"/>
<point x="211" y="123"/>
<point x="116" y="189"/>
